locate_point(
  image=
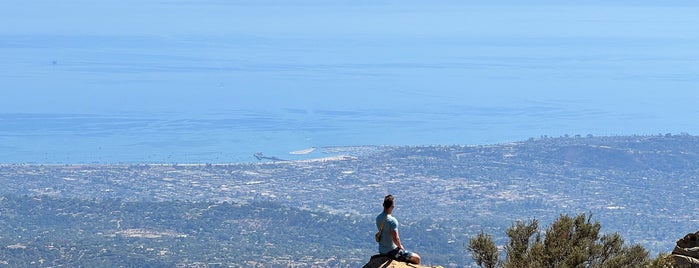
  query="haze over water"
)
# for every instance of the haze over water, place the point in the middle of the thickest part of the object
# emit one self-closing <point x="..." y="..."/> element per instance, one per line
<point x="217" y="81"/>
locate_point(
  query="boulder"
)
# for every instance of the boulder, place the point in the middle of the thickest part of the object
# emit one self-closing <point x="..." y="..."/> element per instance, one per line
<point x="686" y="252"/>
<point x="379" y="261"/>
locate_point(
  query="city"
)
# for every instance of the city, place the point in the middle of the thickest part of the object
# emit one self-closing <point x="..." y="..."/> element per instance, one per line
<point x="638" y="186"/>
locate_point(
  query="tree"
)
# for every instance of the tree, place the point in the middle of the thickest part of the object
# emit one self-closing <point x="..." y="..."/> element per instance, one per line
<point x="520" y="235"/>
<point x="485" y="253"/>
<point x="662" y="261"/>
<point x="568" y="242"/>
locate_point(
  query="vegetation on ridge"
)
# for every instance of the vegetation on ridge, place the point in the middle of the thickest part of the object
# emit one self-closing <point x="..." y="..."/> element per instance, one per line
<point x="568" y="242"/>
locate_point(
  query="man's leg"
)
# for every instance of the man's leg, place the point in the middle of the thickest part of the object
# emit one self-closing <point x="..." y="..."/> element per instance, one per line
<point x="414" y="258"/>
<point x="407" y="256"/>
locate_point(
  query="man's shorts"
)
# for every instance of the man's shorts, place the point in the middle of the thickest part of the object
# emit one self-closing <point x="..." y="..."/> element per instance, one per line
<point x="399" y="255"/>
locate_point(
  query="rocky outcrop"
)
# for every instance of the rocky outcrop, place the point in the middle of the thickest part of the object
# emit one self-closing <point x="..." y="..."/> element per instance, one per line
<point x="379" y="261"/>
<point x="686" y="252"/>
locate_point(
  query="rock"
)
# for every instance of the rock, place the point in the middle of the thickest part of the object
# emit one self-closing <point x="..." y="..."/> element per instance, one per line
<point x="378" y="261"/>
<point x="686" y="252"/>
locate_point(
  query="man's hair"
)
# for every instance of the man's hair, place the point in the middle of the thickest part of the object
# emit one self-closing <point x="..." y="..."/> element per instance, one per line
<point x="388" y="201"/>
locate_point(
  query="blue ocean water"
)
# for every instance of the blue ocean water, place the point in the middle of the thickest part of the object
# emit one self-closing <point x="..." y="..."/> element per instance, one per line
<point x="217" y="81"/>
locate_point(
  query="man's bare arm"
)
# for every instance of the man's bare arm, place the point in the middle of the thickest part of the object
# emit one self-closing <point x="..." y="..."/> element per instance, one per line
<point x="396" y="239"/>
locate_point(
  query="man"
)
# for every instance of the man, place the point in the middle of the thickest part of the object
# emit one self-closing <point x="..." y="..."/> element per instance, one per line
<point x="389" y="243"/>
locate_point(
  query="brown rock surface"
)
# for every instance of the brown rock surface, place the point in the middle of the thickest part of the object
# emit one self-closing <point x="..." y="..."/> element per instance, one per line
<point x="378" y="261"/>
<point x="686" y="252"/>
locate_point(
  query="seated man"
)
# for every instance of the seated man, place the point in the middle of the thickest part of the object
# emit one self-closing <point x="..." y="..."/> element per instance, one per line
<point x="389" y="241"/>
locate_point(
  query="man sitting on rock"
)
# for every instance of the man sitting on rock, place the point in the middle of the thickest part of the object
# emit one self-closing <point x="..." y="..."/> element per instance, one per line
<point x="389" y="241"/>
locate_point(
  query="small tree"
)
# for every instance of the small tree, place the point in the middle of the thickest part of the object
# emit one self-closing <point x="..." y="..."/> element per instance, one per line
<point x="662" y="261"/>
<point x="485" y="253"/>
<point x="520" y="234"/>
<point x="568" y="242"/>
<point x="571" y="242"/>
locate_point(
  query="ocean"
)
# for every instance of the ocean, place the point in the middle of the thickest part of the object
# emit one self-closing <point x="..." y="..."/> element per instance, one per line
<point x="219" y="81"/>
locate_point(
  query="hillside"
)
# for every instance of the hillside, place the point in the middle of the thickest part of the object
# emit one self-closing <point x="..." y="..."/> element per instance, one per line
<point x="113" y="233"/>
<point x="312" y="211"/>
